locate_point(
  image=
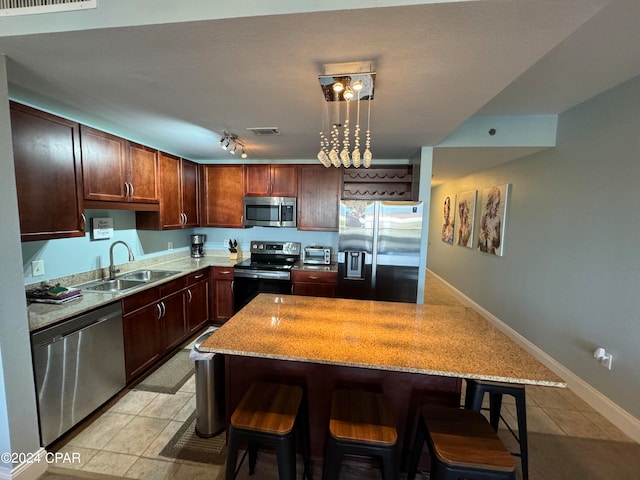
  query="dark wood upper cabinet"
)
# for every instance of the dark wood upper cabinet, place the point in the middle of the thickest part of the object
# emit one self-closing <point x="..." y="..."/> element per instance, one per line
<point x="116" y="170"/>
<point x="222" y="193"/>
<point x="103" y="165"/>
<point x="179" y="187"/>
<point x="271" y="180"/>
<point x="318" y="197"/>
<point x="46" y="151"/>
<point x="142" y="173"/>
<point x="190" y="181"/>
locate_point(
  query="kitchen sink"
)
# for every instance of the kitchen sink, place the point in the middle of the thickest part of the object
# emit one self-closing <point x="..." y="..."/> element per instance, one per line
<point x="127" y="281"/>
<point x="148" y="275"/>
<point x="114" y="286"/>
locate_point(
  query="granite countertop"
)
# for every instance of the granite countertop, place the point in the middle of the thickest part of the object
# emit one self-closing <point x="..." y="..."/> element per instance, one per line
<point x="452" y="341"/>
<point x="43" y="314"/>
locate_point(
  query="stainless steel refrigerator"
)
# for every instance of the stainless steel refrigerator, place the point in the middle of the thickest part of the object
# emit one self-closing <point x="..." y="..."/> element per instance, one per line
<point x="379" y="250"/>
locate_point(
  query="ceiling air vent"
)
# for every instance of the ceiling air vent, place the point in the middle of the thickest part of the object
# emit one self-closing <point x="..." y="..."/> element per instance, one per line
<point x="264" y="130"/>
<point x="29" y="7"/>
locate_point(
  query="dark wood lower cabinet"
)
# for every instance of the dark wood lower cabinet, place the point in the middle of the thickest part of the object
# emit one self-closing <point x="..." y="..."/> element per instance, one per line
<point x="174" y="322"/>
<point x="197" y="301"/>
<point x="142" y="340"/>
<point x="154" y="323"/>
<point x="222" y="293"/>
<point x="314" y="283"/>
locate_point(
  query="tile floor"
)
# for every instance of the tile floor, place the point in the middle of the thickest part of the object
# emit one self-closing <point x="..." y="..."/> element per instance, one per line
<point x="124" y="439"/>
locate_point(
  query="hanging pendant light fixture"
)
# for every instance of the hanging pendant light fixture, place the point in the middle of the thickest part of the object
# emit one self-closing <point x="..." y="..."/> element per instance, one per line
<point x="339" y="89"/>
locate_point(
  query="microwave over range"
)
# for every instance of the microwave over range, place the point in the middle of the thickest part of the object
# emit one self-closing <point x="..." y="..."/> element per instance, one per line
<point x="270" y="211"/>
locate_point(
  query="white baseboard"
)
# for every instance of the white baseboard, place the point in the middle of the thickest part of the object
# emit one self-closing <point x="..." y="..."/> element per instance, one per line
<point x="27" y="470"/>
<point x="622" y="419"/>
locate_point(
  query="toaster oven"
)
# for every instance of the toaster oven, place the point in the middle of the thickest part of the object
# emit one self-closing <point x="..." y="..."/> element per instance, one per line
<point x="316" y="255"/>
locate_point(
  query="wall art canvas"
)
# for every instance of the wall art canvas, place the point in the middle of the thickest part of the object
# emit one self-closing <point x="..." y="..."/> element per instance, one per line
<point x="448" y="219"/>
<point x="466" y="214"/>
<point x="493" y="207"/>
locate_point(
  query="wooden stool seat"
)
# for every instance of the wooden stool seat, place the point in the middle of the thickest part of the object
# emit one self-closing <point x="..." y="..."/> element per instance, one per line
<point x="474" y="395"/>
<point x="462" y="444"/>
<point x="271" y="414"/>
<point x="361" y="423"/>
<point x="363" y="417"/>
<point x="268" y="408"/>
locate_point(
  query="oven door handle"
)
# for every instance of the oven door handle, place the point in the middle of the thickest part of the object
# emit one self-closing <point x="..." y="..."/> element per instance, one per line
<point x="262" y="275"/>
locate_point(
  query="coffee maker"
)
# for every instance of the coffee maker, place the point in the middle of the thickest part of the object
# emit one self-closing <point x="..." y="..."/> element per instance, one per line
<point x="197" y="245"/>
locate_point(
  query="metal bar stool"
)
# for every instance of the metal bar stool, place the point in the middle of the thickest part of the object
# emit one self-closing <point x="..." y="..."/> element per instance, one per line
<point x="461" y="444"/>
<point x="474" y="395"/>
<point x="361" y="423"/>
<point x="270" y="414"/>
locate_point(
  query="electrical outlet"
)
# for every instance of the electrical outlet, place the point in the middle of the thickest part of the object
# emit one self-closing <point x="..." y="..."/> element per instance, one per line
<point x="37" y="268"/>
<point x="170" y="246"/>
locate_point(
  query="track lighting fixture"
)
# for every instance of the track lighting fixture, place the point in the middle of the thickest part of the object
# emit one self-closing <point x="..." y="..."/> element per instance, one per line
<point x="230" y="142"/>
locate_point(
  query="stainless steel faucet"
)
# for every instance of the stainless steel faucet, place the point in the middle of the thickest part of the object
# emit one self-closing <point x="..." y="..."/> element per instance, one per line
<point x="112" y="267"/>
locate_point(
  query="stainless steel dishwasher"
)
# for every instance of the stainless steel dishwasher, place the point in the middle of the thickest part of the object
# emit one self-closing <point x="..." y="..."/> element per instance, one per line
<point x="78" y="365"/>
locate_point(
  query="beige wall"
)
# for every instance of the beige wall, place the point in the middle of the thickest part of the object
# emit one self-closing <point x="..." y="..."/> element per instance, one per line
<point x="569" y="280"/>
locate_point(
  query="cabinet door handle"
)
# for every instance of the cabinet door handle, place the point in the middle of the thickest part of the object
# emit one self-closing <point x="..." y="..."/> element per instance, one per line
<point x="131" y="187"/>
<point x="159" y="311"/>
<point x="225" y="272"/>
<point x="311" y="277"/>
<point x="186" y="218"/>
<point x="190" y="295"/>
<point x="84" y="220"/>
<point x="198" y="276"/>
<point x="126" y="189"/>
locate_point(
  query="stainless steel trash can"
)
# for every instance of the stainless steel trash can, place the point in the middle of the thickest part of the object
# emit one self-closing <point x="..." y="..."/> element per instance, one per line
<point x="210" y="392"/>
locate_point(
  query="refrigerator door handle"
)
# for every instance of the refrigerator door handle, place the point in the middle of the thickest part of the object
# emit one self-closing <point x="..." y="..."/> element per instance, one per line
<point x="376" y="239"/>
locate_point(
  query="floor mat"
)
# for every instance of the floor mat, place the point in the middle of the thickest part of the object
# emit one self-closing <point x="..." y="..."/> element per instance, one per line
<point x="187" y="445"/>
<point x="170" y="376"/>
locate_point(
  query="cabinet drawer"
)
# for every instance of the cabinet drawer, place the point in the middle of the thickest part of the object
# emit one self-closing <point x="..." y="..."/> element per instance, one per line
<point x="173" y="286"/>
<point x="139" y="300"/>
<point x="198" y="276"/>
<point x="223" y="272"/>
<point x="311" y="276"/>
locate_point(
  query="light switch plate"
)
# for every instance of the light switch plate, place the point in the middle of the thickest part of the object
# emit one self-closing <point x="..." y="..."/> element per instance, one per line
<point x="37" y="268"/>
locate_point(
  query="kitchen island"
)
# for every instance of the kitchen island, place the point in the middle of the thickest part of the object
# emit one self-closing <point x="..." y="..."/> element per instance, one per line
<point x="413" y="353"/>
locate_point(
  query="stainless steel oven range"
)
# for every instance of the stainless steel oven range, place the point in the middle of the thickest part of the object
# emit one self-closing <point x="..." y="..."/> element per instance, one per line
<point x="267" y="271"/>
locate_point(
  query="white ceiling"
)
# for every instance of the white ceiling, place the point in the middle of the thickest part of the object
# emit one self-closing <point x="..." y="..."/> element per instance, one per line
<point x="177" y="85"/>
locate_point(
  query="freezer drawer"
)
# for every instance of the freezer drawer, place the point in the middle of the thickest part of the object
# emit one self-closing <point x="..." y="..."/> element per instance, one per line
<point x="78" y="365"/>
<point x="396" y="284"/>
